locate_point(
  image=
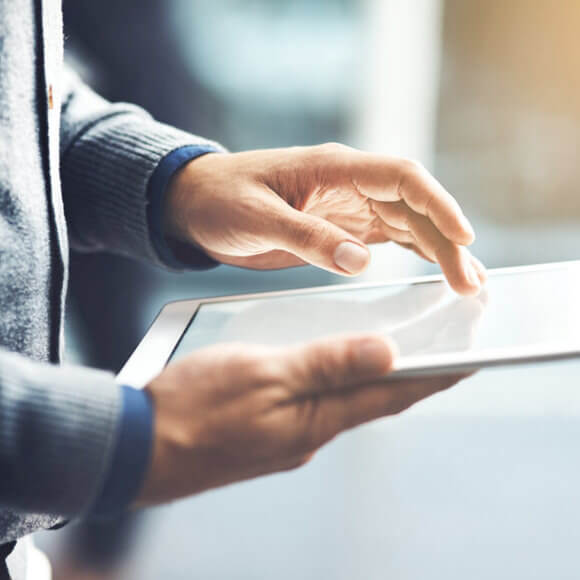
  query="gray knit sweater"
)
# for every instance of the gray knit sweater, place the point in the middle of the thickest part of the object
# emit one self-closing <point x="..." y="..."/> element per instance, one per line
<point x="72" y="166"/>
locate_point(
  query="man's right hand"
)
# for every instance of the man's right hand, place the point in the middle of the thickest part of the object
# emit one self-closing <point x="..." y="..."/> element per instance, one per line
<point x="233" y="412"/>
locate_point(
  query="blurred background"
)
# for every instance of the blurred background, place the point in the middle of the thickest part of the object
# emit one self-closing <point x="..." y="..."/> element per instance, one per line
<point x="480" y="480"/>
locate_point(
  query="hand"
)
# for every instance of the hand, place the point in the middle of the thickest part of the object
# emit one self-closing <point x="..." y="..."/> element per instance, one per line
<point x="234" y="412"/>
<point x="319" y="205"/>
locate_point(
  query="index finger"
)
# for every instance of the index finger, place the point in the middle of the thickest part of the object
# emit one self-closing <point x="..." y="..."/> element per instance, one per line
<point x="385" y="178"/>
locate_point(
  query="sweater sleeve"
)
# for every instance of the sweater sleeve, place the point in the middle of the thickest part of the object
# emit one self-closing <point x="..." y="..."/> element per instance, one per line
<point x="58" y="428"/>
<point x="174" y="253"/>
<point x="108" y="154"/>
<point x="131" y="455"/>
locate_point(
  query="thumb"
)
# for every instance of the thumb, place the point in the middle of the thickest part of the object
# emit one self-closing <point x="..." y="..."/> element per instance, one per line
<point x="335" y="362"/>
<point x="320" y="243"/>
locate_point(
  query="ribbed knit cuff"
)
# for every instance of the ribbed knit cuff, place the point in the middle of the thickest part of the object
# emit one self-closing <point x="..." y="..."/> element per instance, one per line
<point x="57" y="431"/>
<point x="105" y="175"/>
<point x="130" y="458"/>
<point x="175" y="254"/>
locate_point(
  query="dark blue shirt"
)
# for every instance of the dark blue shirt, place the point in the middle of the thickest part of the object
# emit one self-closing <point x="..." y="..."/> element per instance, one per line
<point x="132" y="452"/>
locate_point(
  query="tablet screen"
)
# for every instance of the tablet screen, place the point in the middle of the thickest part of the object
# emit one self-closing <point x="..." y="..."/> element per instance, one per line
<point x="515" y="309"/>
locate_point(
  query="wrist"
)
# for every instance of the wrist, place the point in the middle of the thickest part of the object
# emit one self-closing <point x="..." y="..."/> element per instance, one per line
<point x="167" y="469"/>
<point x="181" y="199"/>
<point x="182" y="463"/>
<point x="174" y="255"/>
<point x="153" y="479"/>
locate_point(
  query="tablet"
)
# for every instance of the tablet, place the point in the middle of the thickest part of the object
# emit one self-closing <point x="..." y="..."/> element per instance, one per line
<point x="524" y="314"/>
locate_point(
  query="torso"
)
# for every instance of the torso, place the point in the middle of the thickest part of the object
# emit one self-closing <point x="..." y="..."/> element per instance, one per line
<point x="31" y="271"/>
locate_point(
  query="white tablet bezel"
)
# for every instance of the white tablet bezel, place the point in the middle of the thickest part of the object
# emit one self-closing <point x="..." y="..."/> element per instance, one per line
<point x="158" y="344"/>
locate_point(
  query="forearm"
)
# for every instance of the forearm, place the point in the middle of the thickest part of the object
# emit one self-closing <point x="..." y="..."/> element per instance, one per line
<point x="57" y="431"/>
<point x="109" y="155"/>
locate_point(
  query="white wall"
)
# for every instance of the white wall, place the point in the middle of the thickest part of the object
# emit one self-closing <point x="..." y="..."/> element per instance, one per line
<point x="398" y="90"/>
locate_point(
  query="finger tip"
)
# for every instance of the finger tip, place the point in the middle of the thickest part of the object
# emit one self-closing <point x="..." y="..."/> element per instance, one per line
<point x="472" y="275"/>
<point x="375" y="354"/>
<point x="465" y="238"/>
<point x="480" y="269"/>
<point x="466" y="287"/>
<point x="473" y="291"/>
<point x="393" y="349"/>
<point x="468" y="230"/>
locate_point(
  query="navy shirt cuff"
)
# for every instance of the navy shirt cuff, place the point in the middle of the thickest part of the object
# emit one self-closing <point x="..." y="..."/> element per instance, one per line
<point x="131" y="455"/>
<point x="178" y="255"/>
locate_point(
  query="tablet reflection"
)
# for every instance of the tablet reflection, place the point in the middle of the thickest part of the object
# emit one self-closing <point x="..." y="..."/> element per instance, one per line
<point x="422" y="319"/>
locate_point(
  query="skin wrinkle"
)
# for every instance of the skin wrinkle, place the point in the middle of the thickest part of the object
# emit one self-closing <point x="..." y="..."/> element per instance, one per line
<point x="398" y="236"/>
<point x="428" y="206"/>
<point x="405" y="211"/>
<point x="331" y="205"/>
<point x="308" y="409"/>
<point x="356" y="187"/>
<point x="399" y="187"/>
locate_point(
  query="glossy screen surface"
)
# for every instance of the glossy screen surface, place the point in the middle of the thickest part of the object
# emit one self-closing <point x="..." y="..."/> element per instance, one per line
<point x="530" y="308"/>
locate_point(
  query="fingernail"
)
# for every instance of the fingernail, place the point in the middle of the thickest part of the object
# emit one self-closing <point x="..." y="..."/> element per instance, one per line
<point x="472" y="276"/>
<point x="373" y="357"/>
<point x="467" y="226"/>
<point x="351" y="257"/>
<point x="480" y="269"/>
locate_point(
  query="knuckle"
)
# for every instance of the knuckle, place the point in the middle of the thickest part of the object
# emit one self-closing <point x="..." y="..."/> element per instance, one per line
<point x="440" y="253"/>
<point x="269" y="371"/>
<point x="409" y="173"/>
<point x="244" y="359"/>
<point x="304" y="443"/>
<point x="296" y="462"/>
<point x="298" y="442"/>
<point x="329" y="152"/>
<point x="395" y="407"/>
<point x="324" y="370"/>
<point x="305" y="438"/>
<point x="400" y="215"/>
<point x="302" y="460"/>
<point x="328" y="427"/>
<point x="333" y="148"/>
<point x="446" y="252"/>
<point x="411" y="166"/>
<point x="336" y="364"/>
